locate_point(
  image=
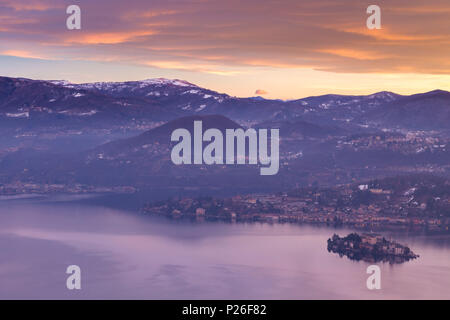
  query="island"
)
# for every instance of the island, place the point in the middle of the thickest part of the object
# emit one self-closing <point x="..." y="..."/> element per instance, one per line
<point x="370" y="248"/>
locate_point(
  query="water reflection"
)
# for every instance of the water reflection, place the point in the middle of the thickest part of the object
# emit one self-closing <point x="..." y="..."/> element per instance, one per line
<point x="127" y="256"/>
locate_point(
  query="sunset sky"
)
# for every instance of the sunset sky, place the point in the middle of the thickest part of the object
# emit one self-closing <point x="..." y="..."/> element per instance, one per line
<point x="279" y="49"/>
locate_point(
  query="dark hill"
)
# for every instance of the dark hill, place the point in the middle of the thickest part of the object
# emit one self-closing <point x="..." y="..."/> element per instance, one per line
<point x="426" y="111"/>
<point x="161" y="135"/>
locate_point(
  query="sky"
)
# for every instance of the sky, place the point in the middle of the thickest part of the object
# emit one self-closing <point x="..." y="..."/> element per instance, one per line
<point x="284" y="49"/>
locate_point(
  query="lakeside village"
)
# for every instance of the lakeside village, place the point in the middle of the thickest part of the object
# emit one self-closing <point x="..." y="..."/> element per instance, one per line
<point x="19" y="188"/>
<point x="389" y="203"/>
<point x="370" y="248"/>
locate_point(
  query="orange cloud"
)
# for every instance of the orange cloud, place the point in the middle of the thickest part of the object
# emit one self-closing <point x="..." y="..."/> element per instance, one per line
<point x="354" y="54"/>
<point x="31" y="5"/>
<point x="108" y="37"/>
<point x="204" y="68"/>
<point x="261" y="92"/>
<point x="387" y="34"/>
<point x="22" y="54"/>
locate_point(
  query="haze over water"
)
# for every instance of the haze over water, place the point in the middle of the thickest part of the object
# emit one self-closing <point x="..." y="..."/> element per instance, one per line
<point x="128" y="256"/>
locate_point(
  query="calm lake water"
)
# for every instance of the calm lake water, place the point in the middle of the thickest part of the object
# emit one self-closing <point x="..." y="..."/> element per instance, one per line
<point x="127" y="256"/>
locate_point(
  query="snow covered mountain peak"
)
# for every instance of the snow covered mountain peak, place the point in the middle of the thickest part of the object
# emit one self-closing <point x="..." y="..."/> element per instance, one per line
<point x="63" y="83"/>
<point x="384" y="95"/>
<point x="141" y="83"/>
<point x="164" y="81"/>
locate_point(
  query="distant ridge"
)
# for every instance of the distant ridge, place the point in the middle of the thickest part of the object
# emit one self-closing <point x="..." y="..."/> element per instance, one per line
<point x="141" y="104"/>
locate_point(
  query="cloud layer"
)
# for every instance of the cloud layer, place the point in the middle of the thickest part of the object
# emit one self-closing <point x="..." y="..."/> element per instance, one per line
<point x="220" y="37"/>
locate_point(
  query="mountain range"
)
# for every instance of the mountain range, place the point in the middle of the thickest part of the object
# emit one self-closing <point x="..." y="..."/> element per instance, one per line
<point x="151" y="101"/>
<point x="118" y="134"/>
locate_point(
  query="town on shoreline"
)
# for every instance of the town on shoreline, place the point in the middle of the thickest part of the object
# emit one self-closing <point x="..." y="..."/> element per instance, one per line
<point x="379" y="204"/>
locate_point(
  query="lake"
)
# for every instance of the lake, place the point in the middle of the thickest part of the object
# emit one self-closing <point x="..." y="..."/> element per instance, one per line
<point x="124" y="255"/>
